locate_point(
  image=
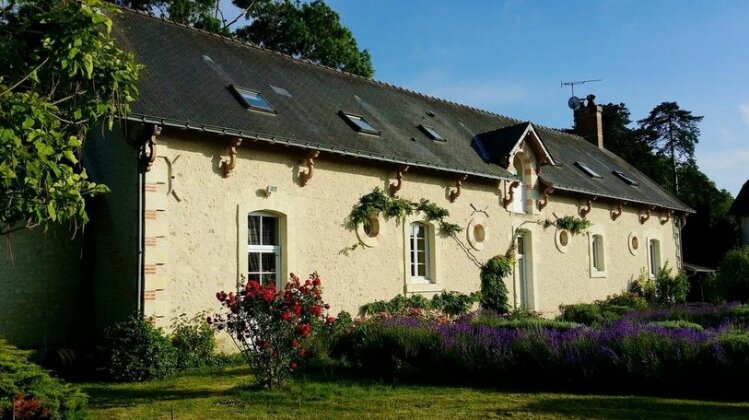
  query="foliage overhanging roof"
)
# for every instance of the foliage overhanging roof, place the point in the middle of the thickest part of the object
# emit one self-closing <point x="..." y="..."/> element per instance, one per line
<point x="185" y="84"/>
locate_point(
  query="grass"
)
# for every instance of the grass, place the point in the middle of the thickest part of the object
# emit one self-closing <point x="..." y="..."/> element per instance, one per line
<point x="227" y="394"/>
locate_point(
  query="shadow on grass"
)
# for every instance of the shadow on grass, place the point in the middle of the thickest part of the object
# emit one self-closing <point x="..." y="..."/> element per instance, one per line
<point x="632" y="407"/>
<point x="195" y="384"/>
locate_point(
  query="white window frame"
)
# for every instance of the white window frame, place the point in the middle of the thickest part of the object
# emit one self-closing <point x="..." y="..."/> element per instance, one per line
<point x="597" y="251"/>
<point x="414" y="250"/>
<point x="265" y="249"/>
<point x="654" y="258"/>
<point x="518" y="205"/>
<point x="431" y="283"/>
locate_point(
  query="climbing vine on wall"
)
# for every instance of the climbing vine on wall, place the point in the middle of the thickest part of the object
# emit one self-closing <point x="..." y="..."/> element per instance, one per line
<point x="574" y="225"/>
<point x="378" y="203"/>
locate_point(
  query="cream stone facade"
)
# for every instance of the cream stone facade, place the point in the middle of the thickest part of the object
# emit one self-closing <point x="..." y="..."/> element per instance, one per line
<point x="201" y="244"/>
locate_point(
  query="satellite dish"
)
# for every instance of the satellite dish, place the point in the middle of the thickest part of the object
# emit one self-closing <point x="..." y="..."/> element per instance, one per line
<point x="574" y="103"/>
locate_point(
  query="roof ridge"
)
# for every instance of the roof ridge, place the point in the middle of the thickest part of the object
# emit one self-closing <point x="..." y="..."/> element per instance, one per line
<point x="335" y="70"/>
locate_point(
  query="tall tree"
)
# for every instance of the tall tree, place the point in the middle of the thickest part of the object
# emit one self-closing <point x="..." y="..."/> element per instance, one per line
<point x="308" y="30"/>
<point x="60" y="74"/>
<point x="672" y="132"/>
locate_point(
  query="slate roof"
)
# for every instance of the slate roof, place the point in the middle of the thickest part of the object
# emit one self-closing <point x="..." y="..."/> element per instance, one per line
<point x="740" y="206"/>
<point x="185" y="84"/>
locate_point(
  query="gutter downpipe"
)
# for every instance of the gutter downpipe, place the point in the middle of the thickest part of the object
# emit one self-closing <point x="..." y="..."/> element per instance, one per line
<point x="141" y="224"/>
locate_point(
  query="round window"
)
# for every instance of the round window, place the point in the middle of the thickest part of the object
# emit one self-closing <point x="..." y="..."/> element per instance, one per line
<point x="372" y="229"/>
<point x="562" y="240"/>
<point x="634" y="243"/>
<point x="479" y="233"/>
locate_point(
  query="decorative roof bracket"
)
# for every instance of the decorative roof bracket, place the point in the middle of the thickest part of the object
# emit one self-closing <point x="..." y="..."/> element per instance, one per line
<point x="540" y="204"/>
<point x="149" y="154"/>
<point x="304" y="177"/>
<point x="458" y="186"/>
<point x="615" y="213"/>
<point x="228" y="166"/>
<point x="394" y="188"/>
<point x="584" y="210"/>
<point x="667" y="217"/>
<point x="645" y="216"/>
<point x="506" y="201"/>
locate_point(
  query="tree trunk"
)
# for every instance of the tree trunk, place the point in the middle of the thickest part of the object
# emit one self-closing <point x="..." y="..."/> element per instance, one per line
<point x="671" y="142"/>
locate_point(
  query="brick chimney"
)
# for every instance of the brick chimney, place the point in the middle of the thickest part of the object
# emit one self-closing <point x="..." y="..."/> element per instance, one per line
<point x="589" y="121"/>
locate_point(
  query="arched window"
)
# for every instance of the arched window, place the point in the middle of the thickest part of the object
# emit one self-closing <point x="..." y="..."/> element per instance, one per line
<point x="263" y="247"/>
<point x="518" y="205"/>
<point x="654" y="249"/>
<point x="419" y="252"/>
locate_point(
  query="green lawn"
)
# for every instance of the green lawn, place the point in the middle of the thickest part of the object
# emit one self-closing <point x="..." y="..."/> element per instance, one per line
<point x="227" y="394"/>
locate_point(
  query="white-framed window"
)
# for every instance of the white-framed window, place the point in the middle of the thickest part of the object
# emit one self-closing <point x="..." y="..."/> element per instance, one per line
<point x="599" y="263"/>
<point x="419" y="252"/>
<point x="263" y="248"/>
<point x="654" y="251"/>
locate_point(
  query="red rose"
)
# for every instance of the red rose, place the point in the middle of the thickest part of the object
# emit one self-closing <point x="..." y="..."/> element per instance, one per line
<point x="307" y="282"/>
<point x="316" y="310"/>
<point x="293" y="365"/>
<point x="330" y="320"/>
<point x="304" y="329"/>
<point x="295" y="342"/>
<point x="302" y="352"/>
<point x="327" y="306"/>
<point x="316" y="281"/>
<point x="286" y="315"/>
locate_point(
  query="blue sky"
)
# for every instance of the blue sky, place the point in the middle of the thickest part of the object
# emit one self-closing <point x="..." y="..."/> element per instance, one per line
<point x="509" y="57"/>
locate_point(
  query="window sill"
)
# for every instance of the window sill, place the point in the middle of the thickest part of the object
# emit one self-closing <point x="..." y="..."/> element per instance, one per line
<point x="598" y="274"/>
<point x="423" y="287"/>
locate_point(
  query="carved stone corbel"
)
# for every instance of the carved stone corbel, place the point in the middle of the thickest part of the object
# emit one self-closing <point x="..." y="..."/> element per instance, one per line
<point x="615" y="213"/>
<point x="683" y="220"/>
<point x="507" y="200"/>
<point x="667" y="217"/>
<point x="645" y="216"/>
<point x="228" y="166"/>
<point x="540" y="204"/>
<point x="304" y="177"/>
<point x="394" y="188"/>
<point x="584" y="210"/>
<point x="454" y="194"/>
<point x="149" y="154"/>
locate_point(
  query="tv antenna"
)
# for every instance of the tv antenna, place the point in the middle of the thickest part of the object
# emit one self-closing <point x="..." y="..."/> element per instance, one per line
<point x="574" y="102"/>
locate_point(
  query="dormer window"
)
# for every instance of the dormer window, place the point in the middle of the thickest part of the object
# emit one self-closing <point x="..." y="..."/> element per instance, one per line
<point x="358" y="123"/>
<point x="624" y="177"/>
<point x="587" y="169"/>
<point x="432" y="133"/>
<point x="252" y="100"/>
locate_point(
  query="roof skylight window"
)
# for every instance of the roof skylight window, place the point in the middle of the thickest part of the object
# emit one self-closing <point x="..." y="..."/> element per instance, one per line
<point x="587" y="169"/>
<point x="432" y="133"/>
<point x="624" y="177"/>
<point x="252" y="99"/>
<point x="358" y="123"/>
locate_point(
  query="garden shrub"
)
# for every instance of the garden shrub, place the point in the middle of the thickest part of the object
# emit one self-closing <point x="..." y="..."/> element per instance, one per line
<point x="447" y="303"/>
<point x="194" y="342"/>
<point x="732" y="277"/>
<point x="627" y="300"/>
<point x="581" y="313"/>
<point x="670" y="289"/>
<point x="453" y="303"/>
<point x="38" y="394"/>
<point x="493" y="288"/>
<point x="491" y="320"/>
<point x="135" y="350"/>
<point x="272" y="328"/>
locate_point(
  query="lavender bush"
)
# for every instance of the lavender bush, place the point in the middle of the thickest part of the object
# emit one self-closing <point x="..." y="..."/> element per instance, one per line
<point x="621" y="355"/>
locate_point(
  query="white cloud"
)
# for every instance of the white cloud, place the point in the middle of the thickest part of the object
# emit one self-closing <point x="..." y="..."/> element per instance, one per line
<point x="744" y="109"/>
<point x="726" y="167"/>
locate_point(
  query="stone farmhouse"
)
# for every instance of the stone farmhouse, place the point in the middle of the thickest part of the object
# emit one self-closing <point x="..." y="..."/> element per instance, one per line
<point x="237" y="162"/>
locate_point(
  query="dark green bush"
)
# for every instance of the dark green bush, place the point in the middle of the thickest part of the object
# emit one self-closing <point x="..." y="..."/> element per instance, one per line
<point x="491" y="320"/>
<point x="732" y="278"/>
<point x="493" y="288"/>
<point x="677" y="324"/>
<point x="194" y="341"/>
<point x="18" y="376"/>
<point x="581" y="313"/>
<point x="453" y="303"/>
<point x="134" y="350"/>
<point x="627" y="300"/>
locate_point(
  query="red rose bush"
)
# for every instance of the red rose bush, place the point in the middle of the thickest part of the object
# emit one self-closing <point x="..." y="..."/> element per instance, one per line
<point x="270" y="327"/>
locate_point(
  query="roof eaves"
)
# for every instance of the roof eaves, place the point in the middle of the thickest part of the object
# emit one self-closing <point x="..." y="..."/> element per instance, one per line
<point x="599" y="194"/>
<point x="149" y="119"/>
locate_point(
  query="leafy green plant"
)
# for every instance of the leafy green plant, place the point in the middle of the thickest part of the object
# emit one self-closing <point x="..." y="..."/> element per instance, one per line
<point x="677" y="324"/>
<point x="135" y="350"/>
<point x="521" y="323"/>
<point x="194" y="342"/>
<point x="493" y="288"/>
<point x="38" y="392"/>
<point x="670" y="289"/>
<point x="732" y="278"/>
<point x="378" y="203"/>
<point x="574" y="225"/>
<point x="453" y="303"/>
<point x="61" y="74"/>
